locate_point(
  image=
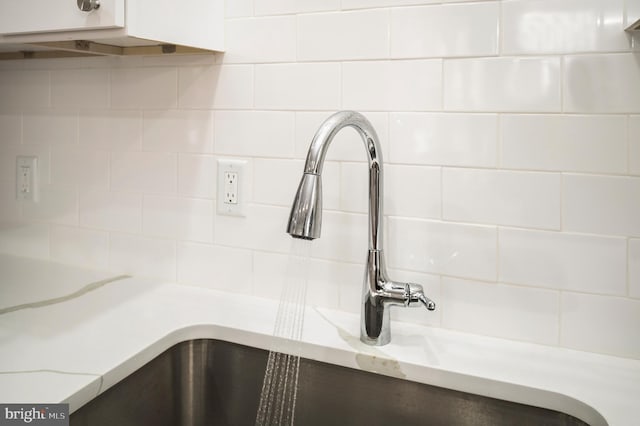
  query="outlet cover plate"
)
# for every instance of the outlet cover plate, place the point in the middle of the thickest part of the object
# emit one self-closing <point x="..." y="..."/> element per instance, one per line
<point x="27" y="178"/>
<point x="224" y="204"/>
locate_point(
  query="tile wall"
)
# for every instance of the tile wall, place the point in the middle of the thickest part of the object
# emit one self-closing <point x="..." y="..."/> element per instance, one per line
<point x="510" y="131"/>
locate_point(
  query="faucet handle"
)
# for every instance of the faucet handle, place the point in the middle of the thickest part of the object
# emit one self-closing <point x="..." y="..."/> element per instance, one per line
<point x="416" y="295"/>
<point x="428" y="303"/>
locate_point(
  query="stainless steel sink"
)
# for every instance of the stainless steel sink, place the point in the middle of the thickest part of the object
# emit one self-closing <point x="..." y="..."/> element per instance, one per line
<point x="212" y="382"/>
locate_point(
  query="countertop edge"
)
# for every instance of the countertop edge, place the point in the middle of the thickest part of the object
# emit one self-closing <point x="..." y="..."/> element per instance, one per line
<point x="484" y="386"/>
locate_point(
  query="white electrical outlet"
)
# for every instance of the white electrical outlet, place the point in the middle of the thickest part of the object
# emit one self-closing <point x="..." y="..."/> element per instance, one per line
<point x="27" y="178"/>
<point x="232" y="187"/>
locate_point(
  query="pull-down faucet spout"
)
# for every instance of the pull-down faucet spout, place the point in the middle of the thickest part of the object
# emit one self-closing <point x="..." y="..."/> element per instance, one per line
<point x="379" y="292"/>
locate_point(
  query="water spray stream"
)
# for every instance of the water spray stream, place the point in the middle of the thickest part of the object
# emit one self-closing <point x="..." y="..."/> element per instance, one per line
<point x="280" y="385"/>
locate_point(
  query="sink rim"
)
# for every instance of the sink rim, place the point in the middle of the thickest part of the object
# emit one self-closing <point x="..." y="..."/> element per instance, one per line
<point x="346" y="357"/>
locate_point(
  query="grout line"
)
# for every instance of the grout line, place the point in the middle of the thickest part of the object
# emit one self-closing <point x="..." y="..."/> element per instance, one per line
<point x="628" y="264"/>
<point x="559" y="336"/>
<point x="561" y="84"/>
<point x="499" y="141"/>
<point x="500" y="30"/>
<point x="441" y="193"/>
<point x="628" y="143"/>
<point x="561" y="194"/>
<point x="483" y="56"/>
<point x="498" y="253"/>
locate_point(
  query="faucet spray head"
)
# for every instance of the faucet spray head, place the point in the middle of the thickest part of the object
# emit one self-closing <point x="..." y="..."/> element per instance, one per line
<point x="305" y="218"/>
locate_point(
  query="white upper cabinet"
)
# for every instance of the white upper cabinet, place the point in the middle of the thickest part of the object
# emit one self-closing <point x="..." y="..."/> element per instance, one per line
<point x="34" y="16"/>
<point x="112" y="27"/>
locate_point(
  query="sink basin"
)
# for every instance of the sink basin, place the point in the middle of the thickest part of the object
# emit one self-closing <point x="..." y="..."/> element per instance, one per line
<point x="212" y="382"/>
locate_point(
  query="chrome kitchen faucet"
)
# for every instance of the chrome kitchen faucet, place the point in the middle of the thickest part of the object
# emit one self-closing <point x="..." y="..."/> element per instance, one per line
<point x="379" y="292"/>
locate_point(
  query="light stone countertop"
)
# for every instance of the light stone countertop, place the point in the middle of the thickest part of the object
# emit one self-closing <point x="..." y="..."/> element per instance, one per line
<point x="68" y="334"/>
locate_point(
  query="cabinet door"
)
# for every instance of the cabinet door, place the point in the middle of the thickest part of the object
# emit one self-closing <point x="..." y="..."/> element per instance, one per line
<point x="34" y="16"/>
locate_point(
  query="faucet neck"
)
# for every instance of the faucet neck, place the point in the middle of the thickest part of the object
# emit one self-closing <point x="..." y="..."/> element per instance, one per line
<point x="318" y="151"/>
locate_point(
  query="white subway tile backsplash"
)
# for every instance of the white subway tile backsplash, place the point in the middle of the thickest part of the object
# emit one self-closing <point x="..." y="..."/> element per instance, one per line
<point x="583" y="143"/>
<point x="408" y="85"/>
<point x="442" y="248"/>
<point x="143" y="256"/>
<point x="354" y="187"/>
<point x="25" y="239"/>
<point x="614" y="320"/>
<point x="444" y="139"/>
<point x="525" y="84"/>
<point x="254" y="133"/>
<point x="210" y="266"/>
<point x="250" y="40"/>
<point x="271" y="270"/>
<point x="73" y="166"/>
<point x="110" y="130"/>
<point x="328" y="279"/>
<point x="314" y="86"/>
<point x="526" y="199"/>
<point x="178" y="131"/>
<point x="263" y="228"/>
<point x="330" y="185"/>
<point x="82" y="88"/>
<point x="563" y="261"/>
<point x="370" y="41"/>
<point x="445" y="31"/>
<point x="153" y="172"/>
<point x="8" y="154"/>
<point x="197" y="175"/>
<point x="149" y="87"/>
<point x="50" y="127"/>
<point x="9" y="207"/>
<point x="178" y="217"/>
<point x="601" y="204"/>
<point x="500" y="310"/>
<point x="551" y="26"/>
<point x="227" y="86"/>
<point x="24" y="89"/>
<point x="362" y="4"/>
<point x="634" y="268"/>
<point x="634" y="144"/>
<point x="85" y="247"/>
<point x="276" y="7"/>
<point x="94" y="62"/>
<point x="324" y="280"/>
<point x="238" y="8"/>
<point x="344" y="237"/>
<point x="11" y="127"/>
<point x="276" y="181"/>
<point x="413" y="191"/>
<point x="347" y="145"/>
<point x="56" y="204"/>
<point x="114" y="211"/>
<point x="618" y="81"/>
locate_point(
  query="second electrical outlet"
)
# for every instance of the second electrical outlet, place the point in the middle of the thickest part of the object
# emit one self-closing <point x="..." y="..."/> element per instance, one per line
<point x="231" y="187"/>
